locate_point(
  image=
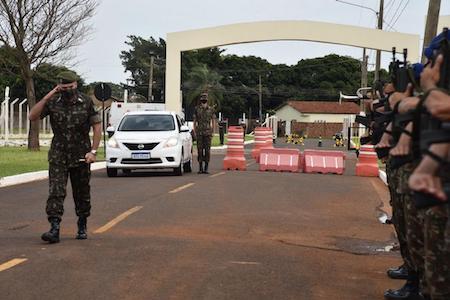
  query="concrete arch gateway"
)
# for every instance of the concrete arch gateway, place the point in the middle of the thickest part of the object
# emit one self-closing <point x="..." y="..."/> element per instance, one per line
<point x="178" y="42"/>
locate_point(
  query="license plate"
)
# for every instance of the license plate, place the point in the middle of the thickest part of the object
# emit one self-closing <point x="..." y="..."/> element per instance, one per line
<point x="140" y="155"/>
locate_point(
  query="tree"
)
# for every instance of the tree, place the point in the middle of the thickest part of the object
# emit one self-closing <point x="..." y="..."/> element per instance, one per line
<point x="137" y="61"/>
<point x="202" y="79"/>
<point x="42" y="31"/>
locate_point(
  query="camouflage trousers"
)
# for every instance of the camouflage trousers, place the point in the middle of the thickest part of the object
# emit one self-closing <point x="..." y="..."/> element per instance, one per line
<point x="437" y="251"/>
<point x="413" y="224"/>
<point x="203" y="148"/>
<point x="398" y="215"/>
<point x="79" y="179"/>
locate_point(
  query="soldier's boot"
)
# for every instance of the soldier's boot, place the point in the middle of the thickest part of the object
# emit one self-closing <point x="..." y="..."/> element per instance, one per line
<point x="410" y="291"/>
<point x="398" y="273"/>
<point x="52" y="236"/>
<point x="82" y="228"/>
<point x="205" y="170"/>
<point x="200" y="167"/>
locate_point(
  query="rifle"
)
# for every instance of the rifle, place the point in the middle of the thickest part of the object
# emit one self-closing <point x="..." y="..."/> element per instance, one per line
<point x="429" y="130"/>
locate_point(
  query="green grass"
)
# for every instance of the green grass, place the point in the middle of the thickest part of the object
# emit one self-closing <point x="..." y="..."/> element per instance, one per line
<point x="18" y="160"/>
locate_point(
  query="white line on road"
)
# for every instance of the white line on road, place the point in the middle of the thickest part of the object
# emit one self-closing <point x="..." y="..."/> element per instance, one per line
<point x="251" y="163"/>
<point x="12" y="263"/>
<point x="181" y="188"/>
<point x="244" y="263"/>
<point x="217" y="175"/>
<point x="118" y="219"/>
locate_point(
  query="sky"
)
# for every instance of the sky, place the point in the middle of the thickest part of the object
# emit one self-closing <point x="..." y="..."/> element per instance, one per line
<point x="98" y="58"/>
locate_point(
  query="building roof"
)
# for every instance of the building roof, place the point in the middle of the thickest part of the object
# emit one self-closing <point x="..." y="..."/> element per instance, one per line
<point x="324" y="107"/>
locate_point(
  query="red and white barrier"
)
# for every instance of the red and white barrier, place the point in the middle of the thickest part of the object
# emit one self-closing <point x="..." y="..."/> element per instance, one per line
<point x="320" y="161"/>
<point x="367" y="164"/>
<point x="279" y="159"/>
<point x="235" y="159"/>
<point x="263" y="139"/>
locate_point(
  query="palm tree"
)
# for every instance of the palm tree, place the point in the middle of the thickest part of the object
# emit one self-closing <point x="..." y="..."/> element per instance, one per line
<point x="201" y="79"/>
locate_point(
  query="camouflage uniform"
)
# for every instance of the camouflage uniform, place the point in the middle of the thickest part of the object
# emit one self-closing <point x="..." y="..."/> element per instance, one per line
<point x="203" y="131"/>
<point x="437" y="246"/>
<point x="398" y="216"/>
<point x="413" y="224"/>
<point x="71" y="122"/>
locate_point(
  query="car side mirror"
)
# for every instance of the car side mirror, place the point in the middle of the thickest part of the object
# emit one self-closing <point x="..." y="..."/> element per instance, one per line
<point x="184" y="128"/>
<point x="110" y="130"/>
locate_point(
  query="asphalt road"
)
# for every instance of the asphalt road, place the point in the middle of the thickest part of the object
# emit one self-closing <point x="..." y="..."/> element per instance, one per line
<point x="229" y="235"/>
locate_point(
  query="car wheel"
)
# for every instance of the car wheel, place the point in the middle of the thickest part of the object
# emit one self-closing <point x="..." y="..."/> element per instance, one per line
<point x="111" y="172"/>
<point x="178" y="171"/>
<point x="187" y="166"/>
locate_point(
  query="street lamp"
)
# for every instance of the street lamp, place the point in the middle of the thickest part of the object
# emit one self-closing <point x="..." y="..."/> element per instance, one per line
<point x="381" y="21"/>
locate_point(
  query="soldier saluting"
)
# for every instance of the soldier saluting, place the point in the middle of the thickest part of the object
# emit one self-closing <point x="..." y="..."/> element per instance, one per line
<point x="203" y="129"/>
<point x="72" y="115"/>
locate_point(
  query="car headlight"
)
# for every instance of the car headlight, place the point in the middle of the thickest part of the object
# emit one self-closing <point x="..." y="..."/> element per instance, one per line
<point x="113" y="143"/>
<point x="173" y="141"/>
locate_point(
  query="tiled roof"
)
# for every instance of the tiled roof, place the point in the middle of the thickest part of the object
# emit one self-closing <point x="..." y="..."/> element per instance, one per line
<point x="325" y="107"/>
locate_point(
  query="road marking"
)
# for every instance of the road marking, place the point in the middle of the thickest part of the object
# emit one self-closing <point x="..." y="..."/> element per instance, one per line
<point x="118" y="219"/>
<point x="181" y="188"/>
<point x="245" y="263"/>
<point x="12" y="263"/>
<point x="217" y="175"/>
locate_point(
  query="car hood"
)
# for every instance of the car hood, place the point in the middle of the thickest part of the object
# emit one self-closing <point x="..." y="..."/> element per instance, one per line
<point x="144" y="136"/>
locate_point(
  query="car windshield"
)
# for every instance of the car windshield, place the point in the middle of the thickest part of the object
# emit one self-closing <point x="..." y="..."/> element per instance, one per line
<point x="147" y="123"/>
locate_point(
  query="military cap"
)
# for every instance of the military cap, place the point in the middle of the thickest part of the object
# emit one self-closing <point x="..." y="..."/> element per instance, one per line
<point x="67" y="77"/>
<point x="435" y="43"/>
<point x="417" y="69"/>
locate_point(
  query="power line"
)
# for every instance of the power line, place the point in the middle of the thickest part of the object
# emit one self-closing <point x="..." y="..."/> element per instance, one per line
<point x="396" y="11"/>
<point x="407" y="2"/>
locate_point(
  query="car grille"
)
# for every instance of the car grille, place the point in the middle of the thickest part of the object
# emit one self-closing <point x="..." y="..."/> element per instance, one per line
<point x="141" y="161"/>
<point x="147" y="146"/>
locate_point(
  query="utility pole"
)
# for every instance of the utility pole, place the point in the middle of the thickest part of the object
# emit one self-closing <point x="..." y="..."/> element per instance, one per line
<point x="380" y="26"/>
<point x="434" y="7"/>
<point x="364" y="69"/>
<point x="260" y="99"/>
<point x="150" y="80"/>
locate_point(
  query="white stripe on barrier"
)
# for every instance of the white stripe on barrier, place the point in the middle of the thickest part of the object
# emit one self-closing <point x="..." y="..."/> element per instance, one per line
<point x="368" y="153"/>
<point x="324" y="162"/>
<point x="279" y="160"/>
<point x="290" y="164"/>
<point x="336" y="162"/>
<point x="235" y="147"/>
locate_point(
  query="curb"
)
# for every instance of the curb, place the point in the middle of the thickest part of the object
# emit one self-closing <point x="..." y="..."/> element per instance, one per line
<point x="383" y="176"/>
<point x="39" y="175"/>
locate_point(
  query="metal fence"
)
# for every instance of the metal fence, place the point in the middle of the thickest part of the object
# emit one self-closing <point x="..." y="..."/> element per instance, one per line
<point x="14" y="123"/>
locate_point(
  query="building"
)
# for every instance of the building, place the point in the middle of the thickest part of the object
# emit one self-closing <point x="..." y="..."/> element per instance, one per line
<point x="316" y="118"/>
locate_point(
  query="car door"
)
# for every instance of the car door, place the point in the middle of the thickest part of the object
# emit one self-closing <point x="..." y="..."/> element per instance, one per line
<point x="183" y="139"/>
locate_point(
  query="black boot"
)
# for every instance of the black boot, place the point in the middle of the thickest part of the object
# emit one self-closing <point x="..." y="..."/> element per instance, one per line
<point x="410" y="291"/>
<point x="52" y="236"/>
<point x="398" y="273"/>
<point x="82" y="228"/>
<point x="205" y="170"/>
<point x="200" y="167"/>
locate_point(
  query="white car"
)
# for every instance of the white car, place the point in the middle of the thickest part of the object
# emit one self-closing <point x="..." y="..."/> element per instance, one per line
<point x="149" y="140"/>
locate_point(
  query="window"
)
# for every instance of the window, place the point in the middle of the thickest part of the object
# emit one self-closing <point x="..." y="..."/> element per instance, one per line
<point x="147" y="123"/>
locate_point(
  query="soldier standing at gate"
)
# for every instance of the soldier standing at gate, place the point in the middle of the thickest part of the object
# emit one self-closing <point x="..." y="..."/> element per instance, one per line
<point x="203" y="129"/>
<point x="72" y="114"/>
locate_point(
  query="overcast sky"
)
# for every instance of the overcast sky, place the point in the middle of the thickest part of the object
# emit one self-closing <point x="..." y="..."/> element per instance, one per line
<point x="98" y="58"/>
